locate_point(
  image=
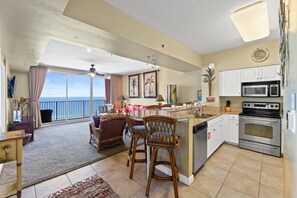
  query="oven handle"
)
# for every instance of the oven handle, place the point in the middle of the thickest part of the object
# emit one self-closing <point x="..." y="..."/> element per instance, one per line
<point x="259" y="119"/>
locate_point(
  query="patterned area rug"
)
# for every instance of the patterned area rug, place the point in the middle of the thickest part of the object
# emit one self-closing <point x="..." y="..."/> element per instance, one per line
<point x="94" y="186"/>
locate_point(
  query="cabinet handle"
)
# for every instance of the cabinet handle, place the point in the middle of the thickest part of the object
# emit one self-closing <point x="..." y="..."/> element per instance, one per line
<point x="208" y="135"/>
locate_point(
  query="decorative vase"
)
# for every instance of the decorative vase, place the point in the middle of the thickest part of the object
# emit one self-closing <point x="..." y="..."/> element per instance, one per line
<point x="17" y="116"/>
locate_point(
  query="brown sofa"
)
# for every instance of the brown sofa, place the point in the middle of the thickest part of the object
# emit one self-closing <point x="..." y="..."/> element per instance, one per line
<point x="110" y="131"/>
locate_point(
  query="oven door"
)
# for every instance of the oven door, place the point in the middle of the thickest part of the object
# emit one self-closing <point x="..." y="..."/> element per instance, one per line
<point x="255" y="90"/>
<point x="259" y="129"/>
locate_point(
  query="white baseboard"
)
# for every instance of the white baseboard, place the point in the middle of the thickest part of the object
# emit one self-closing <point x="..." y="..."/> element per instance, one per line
<point x="186" y="180"/>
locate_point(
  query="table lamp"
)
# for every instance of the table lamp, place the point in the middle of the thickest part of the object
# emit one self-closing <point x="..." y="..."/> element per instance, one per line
<point x="122" y="99"/>
<point x="160" y="100"/>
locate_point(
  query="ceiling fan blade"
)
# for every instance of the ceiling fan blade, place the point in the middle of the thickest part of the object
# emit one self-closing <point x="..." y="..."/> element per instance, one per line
<point x="100" y="74"/>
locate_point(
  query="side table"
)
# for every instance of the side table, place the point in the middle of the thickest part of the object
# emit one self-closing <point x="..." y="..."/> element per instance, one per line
<point x="27" y="124"/>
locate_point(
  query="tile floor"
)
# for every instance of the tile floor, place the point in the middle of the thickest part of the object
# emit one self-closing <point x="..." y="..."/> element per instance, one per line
<point x="230" y="173"/>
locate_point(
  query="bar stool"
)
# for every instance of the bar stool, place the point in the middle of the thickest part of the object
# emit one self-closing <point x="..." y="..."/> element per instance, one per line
<point x="161" y="134"/>
<point x="137" y="131"/>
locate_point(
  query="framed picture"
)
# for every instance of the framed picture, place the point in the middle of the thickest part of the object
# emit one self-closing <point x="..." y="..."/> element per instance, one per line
<point x="134" y="86"/>
<point x="171" y="94"/>
<point x="150" y="84"/>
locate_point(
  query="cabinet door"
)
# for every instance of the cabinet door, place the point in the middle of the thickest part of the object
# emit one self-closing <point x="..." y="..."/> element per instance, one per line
<point x="225" y="128"/>
<point x="230" y="83"/>
<point x="249" y="75"/>
<point x="233" y="131"/>
<point x="269" y="73"/>
<point x="210" y="141"/>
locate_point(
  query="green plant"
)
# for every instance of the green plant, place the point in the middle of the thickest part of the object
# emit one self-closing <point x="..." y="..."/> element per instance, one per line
<point x="209" y="78"/>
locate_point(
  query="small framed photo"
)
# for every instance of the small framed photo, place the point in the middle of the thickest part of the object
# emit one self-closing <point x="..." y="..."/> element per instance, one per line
<point x="134" y="86"/>
<point x="150" y="84"/>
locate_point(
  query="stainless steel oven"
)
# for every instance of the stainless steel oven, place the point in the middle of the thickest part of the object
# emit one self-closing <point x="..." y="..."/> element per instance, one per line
<point x="261" y="89"/>
<point x="260" y="127"/>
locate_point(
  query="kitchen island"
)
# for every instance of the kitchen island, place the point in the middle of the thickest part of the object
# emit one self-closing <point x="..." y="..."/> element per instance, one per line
<point x="184" y="154"/>
<point x="184" y="129"/>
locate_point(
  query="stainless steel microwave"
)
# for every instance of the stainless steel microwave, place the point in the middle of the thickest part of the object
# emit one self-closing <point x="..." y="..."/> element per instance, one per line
<point x="261" y="89"/>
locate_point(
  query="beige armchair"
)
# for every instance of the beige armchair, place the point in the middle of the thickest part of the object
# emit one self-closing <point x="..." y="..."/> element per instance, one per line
<point x="110" y="131"/>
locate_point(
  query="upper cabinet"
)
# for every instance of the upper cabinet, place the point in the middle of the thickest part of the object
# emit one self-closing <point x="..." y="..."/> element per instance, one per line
<point x="230" y="83"/>
<point x="268" y="73"/>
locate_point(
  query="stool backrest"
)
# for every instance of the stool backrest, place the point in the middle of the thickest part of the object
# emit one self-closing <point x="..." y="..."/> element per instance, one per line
<point x="160" y="131"/>
<point x="132" y="122"/>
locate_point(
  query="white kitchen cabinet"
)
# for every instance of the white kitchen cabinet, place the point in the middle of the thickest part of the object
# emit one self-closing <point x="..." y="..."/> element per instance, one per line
<point x="233" y="129"/>
<point x="267" y="73"/>
<point x="214" y="135"/>
<point x="230" y="83"/>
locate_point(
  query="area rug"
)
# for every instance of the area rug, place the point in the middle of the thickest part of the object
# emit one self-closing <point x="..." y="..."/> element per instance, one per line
<point x="92" y="187"/>
<point x="60" y="149"/>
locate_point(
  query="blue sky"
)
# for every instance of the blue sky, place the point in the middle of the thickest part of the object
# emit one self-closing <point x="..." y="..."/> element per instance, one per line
<point x="78" y="86"/>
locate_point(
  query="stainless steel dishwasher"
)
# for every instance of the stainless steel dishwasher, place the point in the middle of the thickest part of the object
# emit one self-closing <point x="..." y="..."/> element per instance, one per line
<point x="199" y="146"/>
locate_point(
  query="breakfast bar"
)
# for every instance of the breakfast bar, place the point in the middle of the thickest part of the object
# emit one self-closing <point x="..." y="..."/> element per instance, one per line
<point x="184" y="154"/>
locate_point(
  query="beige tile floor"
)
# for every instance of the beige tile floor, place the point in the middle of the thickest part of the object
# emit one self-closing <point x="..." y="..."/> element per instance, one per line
<point x="230" y="173"/>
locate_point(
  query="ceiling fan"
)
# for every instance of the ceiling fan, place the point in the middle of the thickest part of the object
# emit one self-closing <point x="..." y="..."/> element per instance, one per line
<point x="92" y="72"/>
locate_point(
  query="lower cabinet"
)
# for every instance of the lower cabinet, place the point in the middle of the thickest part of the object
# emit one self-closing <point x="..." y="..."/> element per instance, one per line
<point x="220" y="129"/>
<point x="214" y="135"/>
<point x="233" y="129"/>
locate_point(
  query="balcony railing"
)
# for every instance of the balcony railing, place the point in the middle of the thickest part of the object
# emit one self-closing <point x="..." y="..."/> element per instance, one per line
<point x="76" y="108"/>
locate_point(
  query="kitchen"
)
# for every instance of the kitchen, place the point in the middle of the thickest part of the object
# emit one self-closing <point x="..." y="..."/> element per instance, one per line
<point x="202" y="134"/>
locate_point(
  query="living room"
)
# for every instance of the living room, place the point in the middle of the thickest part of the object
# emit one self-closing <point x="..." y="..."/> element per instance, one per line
<point x="67" y="37"/>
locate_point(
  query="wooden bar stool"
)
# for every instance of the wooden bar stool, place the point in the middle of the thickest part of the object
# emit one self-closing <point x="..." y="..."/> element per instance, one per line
<point x="137" y="131"/>
<point x="161" y="134"/>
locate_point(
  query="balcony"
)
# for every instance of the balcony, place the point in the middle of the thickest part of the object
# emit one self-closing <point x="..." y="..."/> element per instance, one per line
<point x="73" y="109"/>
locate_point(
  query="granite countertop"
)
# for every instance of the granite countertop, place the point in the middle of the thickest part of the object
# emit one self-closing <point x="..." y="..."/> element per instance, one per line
<point x="216" y="114"/>
<point x="182" y="114"/>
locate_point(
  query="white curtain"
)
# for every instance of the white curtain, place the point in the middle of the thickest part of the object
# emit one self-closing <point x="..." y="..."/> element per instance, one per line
<point x="37" y="76"/>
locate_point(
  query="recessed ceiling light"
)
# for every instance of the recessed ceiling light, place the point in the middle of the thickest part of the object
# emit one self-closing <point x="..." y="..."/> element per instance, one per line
<point x="252" y="21"/>
<point x="131" y="61"/>
<point x="89" y="49"/>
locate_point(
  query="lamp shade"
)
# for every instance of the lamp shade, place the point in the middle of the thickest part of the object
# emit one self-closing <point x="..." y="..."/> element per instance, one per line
<point x="122" y="98"/>
<point x="159" y="98"/>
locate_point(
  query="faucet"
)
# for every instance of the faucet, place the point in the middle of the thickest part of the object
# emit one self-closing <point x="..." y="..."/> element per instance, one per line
<point x="199" y="106"/>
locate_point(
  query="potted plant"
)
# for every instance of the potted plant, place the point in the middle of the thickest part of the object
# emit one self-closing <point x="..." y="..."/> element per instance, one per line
<point x="209" y="78"/>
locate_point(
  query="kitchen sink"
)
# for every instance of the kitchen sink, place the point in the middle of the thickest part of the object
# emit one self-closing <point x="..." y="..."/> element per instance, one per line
<point x="203" y="115"/>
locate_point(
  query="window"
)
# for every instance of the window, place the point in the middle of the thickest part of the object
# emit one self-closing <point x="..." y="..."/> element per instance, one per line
<point x="70" y="96"/>
<point x="98" y="92"/>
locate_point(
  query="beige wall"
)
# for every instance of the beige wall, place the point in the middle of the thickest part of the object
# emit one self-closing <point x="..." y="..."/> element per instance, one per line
<point x="187" y="86"/>
<point x="22" y="84"/>
<point x="290" y="150"/>
<point x="236" y="58"/>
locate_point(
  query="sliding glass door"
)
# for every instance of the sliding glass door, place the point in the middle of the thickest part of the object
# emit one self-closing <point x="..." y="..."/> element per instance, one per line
<point x="71" y="96"/>
<point x="53" y="96"/>
<point x="79" y="99"/>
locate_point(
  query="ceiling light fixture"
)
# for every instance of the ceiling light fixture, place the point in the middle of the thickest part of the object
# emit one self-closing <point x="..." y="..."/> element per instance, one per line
<point x="252" y="21"/>
<point x="89" y="50"/>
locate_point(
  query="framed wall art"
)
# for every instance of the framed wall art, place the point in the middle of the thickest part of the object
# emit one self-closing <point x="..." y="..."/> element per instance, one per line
<point x="150" y="84"/>
<point x="171" y="94"/>
<point x="134" y="86"/>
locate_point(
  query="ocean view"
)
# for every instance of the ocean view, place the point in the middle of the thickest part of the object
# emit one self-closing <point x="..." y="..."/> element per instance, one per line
<point x="78" y="107"/>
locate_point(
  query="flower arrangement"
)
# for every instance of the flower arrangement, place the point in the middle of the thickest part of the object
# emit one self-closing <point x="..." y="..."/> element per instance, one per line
<point x="20" y="103"/>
